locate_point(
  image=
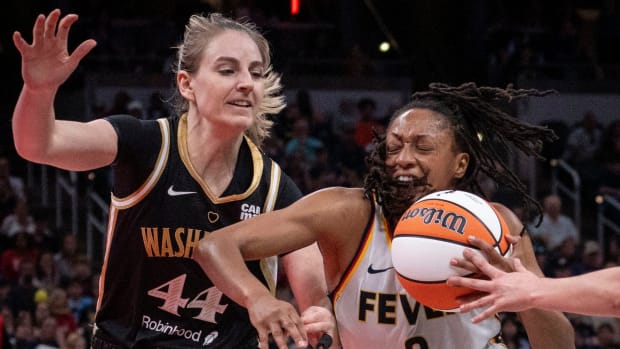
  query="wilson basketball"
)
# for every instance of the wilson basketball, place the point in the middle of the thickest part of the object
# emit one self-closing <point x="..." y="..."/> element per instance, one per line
<point x="434" y="230"/>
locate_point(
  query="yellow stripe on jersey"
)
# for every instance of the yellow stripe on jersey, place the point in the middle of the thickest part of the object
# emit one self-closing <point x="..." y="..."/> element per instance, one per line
<point x="113" y="215"/>
<point x="355" y="262"/>
<point x="269" y="265"/>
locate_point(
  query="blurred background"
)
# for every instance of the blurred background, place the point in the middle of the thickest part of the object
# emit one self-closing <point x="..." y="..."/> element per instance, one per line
<point x="346" y="66"/>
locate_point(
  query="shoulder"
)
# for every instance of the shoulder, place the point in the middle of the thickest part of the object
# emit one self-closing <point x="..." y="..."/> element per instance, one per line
<point x="514" y="223"/>
<point x="336" y="204"/>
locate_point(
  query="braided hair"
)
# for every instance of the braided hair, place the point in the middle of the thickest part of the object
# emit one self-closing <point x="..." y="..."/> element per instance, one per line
<point x="481" y="128"/>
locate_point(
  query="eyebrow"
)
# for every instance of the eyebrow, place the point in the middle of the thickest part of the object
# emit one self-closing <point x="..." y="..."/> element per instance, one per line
<point x="233" y="60"/>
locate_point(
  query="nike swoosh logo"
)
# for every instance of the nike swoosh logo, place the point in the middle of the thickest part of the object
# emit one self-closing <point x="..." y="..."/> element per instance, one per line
<point x="371" y="270"/>
<point x="173" y="192"/>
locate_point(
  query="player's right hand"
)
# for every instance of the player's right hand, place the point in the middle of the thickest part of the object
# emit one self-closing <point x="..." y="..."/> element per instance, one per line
<point x="46" y="63"/>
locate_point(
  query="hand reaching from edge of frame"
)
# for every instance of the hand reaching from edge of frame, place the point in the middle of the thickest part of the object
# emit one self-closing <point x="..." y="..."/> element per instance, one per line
<point x="46" y="63"/>
<point x="505" y="291"/>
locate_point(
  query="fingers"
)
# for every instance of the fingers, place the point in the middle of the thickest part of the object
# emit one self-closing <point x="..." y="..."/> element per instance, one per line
<point x="83" y="49"/>
<point x="280" y="332"/>
<point x="19" y="42"/>
<point x="519" y="266"/>
<point x="482" y="264"/>
<point x="50" y="24"/>
<point x="513" y="239"/>
<point x="288" y="328"/>
<point x="38" y="29"/>
<point x="476" y="284"/>
<point x="487" y="313"/>
<point x="295" y="329"/>
<point x="65" y="24"/>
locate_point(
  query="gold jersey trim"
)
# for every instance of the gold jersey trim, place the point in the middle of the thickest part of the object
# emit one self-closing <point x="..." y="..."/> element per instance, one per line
<point x="269" y="265"/>
<point x="257" y="162"/>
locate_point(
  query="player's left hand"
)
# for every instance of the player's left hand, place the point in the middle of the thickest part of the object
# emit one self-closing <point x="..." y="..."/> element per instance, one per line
<point x="487" y="250"/>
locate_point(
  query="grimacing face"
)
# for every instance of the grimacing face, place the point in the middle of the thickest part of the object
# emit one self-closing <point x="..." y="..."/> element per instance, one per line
<point x="420" y="145"/>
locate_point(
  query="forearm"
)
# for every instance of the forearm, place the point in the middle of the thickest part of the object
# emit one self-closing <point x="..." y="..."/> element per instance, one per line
<point x="222" y="261"/>
<point x="596" y="293"/>
<point x="547" y="329"/>
<point x="33" y="122"/>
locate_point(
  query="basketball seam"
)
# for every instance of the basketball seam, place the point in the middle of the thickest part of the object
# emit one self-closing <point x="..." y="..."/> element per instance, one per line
<point x="501" y="228"/>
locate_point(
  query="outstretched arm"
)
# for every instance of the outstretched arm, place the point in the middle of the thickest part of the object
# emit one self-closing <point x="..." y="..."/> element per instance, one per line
<point x="319" y="217"/>
<point x="545" y="328"/>
<point x="46" y="65"/>
<point x="595" y="293"/>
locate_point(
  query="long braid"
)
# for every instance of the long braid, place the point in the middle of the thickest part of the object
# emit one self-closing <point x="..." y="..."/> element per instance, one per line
<point x="482" y="128"/>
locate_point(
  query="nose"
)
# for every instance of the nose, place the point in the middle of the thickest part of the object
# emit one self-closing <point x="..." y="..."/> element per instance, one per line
<point x="245" y="82"/>
<point x="406" y="157"/>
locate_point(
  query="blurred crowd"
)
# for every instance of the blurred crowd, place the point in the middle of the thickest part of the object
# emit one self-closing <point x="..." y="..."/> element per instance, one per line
<point x="49" y="286"/>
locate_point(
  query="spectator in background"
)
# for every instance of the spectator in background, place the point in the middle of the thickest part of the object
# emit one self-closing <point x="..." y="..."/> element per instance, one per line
<point x="22" y="292"/>
<point x="43" y="237"/>
<point x="513" y="333"/>
<point x="16" y="183"/>
<point x="60" y="310"/>
<point x="583" y="142"/>
<point x="65" y="258"/>
<point x="20" y="220"/>
<point x="346" y="116"/>
<point x="555" y="226"/>
<point x="12" y="259"/>
<point x="8" y="198"/>
<point x="302" y="143"/>
<point x="366" y="122"/>
<point x="136" y="109"/>
<point x="592" y="258"/>
<point x="50" y="335"/>
<point x="609" y="157"/>
<point x="46" y="274"/>
<point x="156" y="108"/>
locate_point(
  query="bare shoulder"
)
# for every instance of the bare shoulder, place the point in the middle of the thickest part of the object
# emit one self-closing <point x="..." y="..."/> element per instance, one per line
<point x="338" y="209"/>
<point x="337" y="198"/>
<point x="514" y="223"/>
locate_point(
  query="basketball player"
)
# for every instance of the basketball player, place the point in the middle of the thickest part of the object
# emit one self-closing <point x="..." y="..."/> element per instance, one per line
<point x="176" y="179"/>
<point x="596" y="291"/>
<point x="443" y="139"/>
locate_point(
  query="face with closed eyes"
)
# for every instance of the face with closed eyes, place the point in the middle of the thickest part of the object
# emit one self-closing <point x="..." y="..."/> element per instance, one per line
<point x="228" y="87"/>
<point x="420" y="148"/>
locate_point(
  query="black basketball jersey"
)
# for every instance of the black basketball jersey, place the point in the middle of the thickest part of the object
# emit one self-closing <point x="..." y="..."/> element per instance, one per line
<point x="152" y="294"/>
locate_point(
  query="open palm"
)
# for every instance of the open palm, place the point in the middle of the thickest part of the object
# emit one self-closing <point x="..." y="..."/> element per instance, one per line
<point x="46" y="63"/>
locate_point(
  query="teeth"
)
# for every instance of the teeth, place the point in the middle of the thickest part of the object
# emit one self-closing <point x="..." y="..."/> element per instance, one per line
<point x="405" y="178"/>
<point x="241" y="103"/>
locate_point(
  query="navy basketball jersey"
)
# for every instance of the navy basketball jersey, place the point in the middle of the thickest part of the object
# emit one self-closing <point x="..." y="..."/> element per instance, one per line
<point x="152" y="294"/>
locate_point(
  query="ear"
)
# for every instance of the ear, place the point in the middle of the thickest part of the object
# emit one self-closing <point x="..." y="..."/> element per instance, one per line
<point x="184" y="84"/>
<point x="462" y="162"/>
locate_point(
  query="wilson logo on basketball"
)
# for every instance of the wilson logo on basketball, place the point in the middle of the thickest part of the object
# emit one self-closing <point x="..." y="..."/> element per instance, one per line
<point x="447" y="220"/>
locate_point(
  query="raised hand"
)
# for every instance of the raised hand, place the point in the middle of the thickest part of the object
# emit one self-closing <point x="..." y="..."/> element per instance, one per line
<point x="46" y="63"/>
<point x="278" y="318"/>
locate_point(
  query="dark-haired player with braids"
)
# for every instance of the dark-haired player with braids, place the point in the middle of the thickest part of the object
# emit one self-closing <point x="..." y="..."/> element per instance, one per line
<point x="442" y="139"/>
